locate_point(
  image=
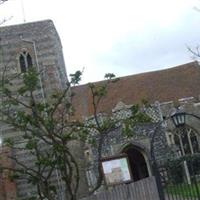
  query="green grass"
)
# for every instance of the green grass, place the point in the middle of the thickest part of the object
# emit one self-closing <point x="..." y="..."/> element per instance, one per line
<point x="183" y="190"/>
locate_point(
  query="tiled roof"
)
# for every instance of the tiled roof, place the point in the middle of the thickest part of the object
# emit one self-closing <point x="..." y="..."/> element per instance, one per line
<point x="164" y="85"/>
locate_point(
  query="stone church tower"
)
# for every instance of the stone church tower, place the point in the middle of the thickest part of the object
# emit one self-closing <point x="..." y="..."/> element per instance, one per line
<point x="34" y="44"/>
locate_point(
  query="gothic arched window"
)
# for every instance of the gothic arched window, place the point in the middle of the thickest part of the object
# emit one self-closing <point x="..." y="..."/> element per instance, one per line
<point x="25" y="61"/>
<point x="186" y="140"/>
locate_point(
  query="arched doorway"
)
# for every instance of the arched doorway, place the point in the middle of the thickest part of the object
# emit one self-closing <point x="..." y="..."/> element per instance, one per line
<point x="138" y="164"/>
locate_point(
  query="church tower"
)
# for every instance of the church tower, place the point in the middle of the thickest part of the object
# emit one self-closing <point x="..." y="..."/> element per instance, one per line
<point x="38" y="45"/>
<point x="34" y="44"/>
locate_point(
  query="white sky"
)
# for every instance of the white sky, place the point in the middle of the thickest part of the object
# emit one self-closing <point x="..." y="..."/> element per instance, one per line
<point x="119" y="36"/>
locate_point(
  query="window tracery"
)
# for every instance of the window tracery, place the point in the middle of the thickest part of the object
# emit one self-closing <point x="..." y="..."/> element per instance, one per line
<point x="186" y="140"/>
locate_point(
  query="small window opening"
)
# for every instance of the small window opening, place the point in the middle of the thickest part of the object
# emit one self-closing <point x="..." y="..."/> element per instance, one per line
<point x="29" y="61"/>
<point x="22" y="64"/>
<point x="25" y="61"/>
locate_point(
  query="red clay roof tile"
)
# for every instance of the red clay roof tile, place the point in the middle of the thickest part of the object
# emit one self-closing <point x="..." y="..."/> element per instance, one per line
<point x="163" y="85"/>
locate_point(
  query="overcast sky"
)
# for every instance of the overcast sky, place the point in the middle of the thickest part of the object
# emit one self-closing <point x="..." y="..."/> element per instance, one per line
<point x="119" y="36"/>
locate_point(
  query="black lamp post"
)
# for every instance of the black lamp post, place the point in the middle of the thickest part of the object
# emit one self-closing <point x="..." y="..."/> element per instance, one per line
<point x="178" y="118"/>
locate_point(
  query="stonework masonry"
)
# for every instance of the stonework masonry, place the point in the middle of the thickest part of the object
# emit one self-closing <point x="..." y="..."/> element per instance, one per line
<point x="41" y="41"/>
<point x="7" y="187"/>
<point x="164" y="145"/>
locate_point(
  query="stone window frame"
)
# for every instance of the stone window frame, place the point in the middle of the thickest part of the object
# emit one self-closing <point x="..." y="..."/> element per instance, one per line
<point x="177" y="132"/>
<point x="27" y="57"/>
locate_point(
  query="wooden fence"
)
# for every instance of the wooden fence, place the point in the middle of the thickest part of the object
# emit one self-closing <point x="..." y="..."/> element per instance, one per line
<point x="144" y="189"/>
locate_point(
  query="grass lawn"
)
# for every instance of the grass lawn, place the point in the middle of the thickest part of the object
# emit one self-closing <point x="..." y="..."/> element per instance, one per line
<point x="183" y="190"/>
